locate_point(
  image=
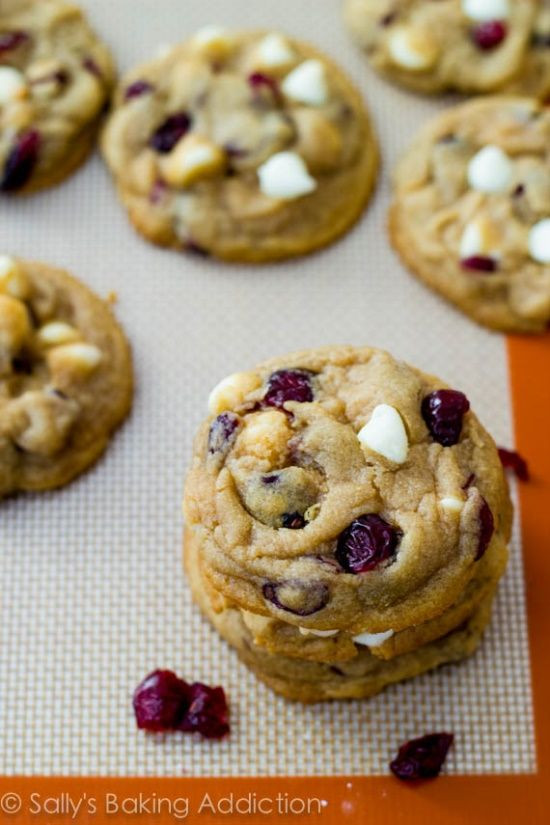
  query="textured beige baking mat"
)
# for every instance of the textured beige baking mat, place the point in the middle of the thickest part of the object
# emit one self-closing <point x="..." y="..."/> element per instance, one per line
<point x="93" y="595"/>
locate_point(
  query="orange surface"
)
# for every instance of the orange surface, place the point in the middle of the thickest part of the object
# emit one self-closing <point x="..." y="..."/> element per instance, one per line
<point x="477" y="800"/>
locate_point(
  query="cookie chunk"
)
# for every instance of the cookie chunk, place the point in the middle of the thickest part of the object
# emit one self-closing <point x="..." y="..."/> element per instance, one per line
<point x="343" y="511"/>
<point x="55" y="78"/>
<point x="471" y="211"/>
<point x="472" y="46"/>
<point x="246" y="146"/>
<point x="65" y="376"/>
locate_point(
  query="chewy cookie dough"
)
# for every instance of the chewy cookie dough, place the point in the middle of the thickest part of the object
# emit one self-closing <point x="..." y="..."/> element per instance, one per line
<point x="55" y="79"/>
<point x="347" y="518"/>
<point x="471" y="211"/>
<point x="246" y="146"/>
<point x="473" y="46"/>
<point x="65" y="376"/>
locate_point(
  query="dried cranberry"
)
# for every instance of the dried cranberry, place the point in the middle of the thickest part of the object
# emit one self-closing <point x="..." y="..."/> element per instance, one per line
<point x="196" y="249"/>
<point x="368" y="541"/>
<point x="422" y="758"/>
<point x="259" y="81"/>
<point x="293" y="521"/>
<point x="514" y="461"/>
<point x="160" y="701"/>
<point x="489" y="34"/>
<point x="91" y="66"/>
<point x="137" y="88"/>
<point x="223" y="431"/>
<point x="20" y="161"/>
<point x="443" y="411"/>
<point x="486" y="529"/>
<point x="11" y="40"/>
<point x="479" y="263"/>
<point x="297" y="597"/>
<point x="208" y="713"/>
<point x="169" y="132"/>
<point x="288" y="385"/>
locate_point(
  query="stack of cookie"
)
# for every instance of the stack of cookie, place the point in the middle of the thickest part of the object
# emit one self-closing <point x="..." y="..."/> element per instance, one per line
<point x="347" y="522"/>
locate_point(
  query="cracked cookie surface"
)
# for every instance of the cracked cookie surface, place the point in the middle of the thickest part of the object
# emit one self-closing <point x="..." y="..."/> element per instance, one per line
<point x="339" y="498"/>
<point x="471" y="211"/>
<point x="246" y="146"/>
<point x="65" y="376"/>
<point x="55" y="78"/>
<point x="472" y="46"/>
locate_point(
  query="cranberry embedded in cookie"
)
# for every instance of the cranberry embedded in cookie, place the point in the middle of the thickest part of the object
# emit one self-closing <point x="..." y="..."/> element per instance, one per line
<point x="261" y="147"/>
<point x="65" y="376"/>
<point x="55" y="77"/>
<point x="342" y="508"/>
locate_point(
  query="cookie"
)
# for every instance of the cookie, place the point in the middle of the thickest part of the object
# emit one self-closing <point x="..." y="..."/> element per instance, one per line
<point x="65" y="376"/>
<point x="249" y="146"/>
<point x="55" y="79"/>
<point x="472" y="46"/>
<point x="471" y="211"/>
<point x="340" y="500"/>
<point x="534" y="78"/>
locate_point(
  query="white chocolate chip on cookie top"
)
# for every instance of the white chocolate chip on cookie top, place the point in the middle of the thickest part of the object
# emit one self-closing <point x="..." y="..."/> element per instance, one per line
<point x="245" y="145"/>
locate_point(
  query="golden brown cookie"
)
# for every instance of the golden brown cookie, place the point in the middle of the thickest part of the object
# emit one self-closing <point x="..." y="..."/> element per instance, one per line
<point x="249" y="146"/>
<point x="473" y="46"/>
<point x="340" y="499"/>
<point x="65" y="376"/>
<point x="55" y="78"/>
<point x="471" y="211"/>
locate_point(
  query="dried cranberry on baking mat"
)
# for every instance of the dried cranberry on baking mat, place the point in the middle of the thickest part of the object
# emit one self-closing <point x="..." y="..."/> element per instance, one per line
<point x="164" y="702"/>
<point x="511" y="460"/>
<point x="422" y="758"/>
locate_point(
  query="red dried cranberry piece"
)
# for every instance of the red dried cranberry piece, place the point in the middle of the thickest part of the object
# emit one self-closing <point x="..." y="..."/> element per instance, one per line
<point x="137" y="88"/>
<point x="208" y="713"/>
<point x="486" y="529"/>
<point x="489" y="34"/>
<point x="443" y="411"/>
<point x="12" y="40"/>
<point x="20" y="161"/>
<point x="91" y="66"/>
<point x="161" y="701"/>
<point x="312" y="597"/>
<point x="223" y="431"/>
<point x="293" y="521"/>
<point x="368" y="541"/>
<point x="514" y="461"/>
<point x="479" y="263"/>
<point x="288" y="385"/>
<point x="259" y="81"/>
<point x="169" y="132"/>
<point x="422" y="758"/>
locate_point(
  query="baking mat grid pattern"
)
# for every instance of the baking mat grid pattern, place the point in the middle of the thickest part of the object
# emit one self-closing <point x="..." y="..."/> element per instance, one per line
<point x="93" y="596"/>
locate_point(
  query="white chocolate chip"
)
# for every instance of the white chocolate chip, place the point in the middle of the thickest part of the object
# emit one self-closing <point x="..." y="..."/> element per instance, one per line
<point x="13" y="280"/>
<point x="192" y="159"/>
<point x="15" y="325"/>
<point x="307" y="83"/>
<point x="12" y="85"/>
<point x="285" y="175"/>
<point x="480" y="237"/>
<point x="413" y="49"/>
<point x="323" y="634"/>
<point x="385" y="433"/>
<point x="57" y="332"/>
<point x="452" y="504"/>
<point x="373" y="639"/>
<point x="232" y="391"/>
<point x="273" y="52"/>
<point x="79" y="359"/>
<point x="212" y="41"/>
<point x="539" y="241"/>
<point x="484" y="10"/>
<point x="490" y="170"/>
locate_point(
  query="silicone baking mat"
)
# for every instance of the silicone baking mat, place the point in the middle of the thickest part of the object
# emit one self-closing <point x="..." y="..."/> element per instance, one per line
<point x="93" y="595"/>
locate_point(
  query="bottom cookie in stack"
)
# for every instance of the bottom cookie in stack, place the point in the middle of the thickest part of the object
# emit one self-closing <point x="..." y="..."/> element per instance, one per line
<point x="347" y="520"/>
